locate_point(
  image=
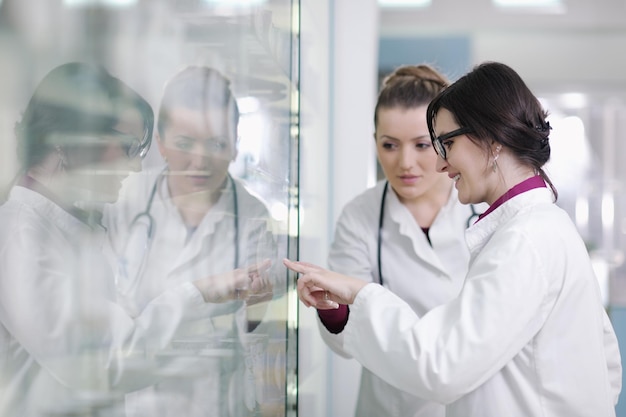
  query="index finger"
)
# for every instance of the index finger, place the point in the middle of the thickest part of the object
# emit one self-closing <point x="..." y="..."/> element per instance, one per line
<point x="262" y="266"/>
<point x="300" y="267"/>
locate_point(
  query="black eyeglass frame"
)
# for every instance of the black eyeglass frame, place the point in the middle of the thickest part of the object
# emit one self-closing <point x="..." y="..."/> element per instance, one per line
<point x="132" y="145"/>
<point x="139" y="148"/>
<point x="438" y="141"/>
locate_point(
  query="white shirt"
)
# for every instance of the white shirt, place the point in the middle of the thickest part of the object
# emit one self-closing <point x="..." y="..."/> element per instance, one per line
<point x="176" y="255"/>
<point x="421" y="274"/>
<point x="527" y="336"/>
<point x="63" y="338"/>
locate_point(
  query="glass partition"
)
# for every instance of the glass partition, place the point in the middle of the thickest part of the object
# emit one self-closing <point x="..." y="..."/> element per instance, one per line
<point x="149" y="169"/>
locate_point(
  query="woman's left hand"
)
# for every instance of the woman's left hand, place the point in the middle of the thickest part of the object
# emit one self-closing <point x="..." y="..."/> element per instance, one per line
<point x="261" y="288"/>
<point x="238" y="284"/>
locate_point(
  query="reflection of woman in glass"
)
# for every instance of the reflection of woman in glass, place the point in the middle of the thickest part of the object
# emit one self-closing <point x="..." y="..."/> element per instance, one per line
<point x="190" y="217"/>
<point x="64" y="341"/>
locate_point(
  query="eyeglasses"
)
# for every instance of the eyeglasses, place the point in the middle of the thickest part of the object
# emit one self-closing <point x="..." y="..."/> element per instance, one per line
<point x="131" y="144"/>
<point x="134" y="147"/>
<point x="438" y="142"/>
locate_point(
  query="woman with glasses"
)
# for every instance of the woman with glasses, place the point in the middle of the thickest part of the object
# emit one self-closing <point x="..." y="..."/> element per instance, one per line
<point x="527" y="335"/>
<point x="406" y="233"/>
<point x="66" y="346"/>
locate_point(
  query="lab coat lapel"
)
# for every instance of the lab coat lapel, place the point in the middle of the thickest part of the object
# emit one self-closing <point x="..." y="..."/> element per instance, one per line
<point x="202" y="236"/>
<point x="408" y="227"/>
<point x="193" y="249"/>
<point x="479" y="234"/>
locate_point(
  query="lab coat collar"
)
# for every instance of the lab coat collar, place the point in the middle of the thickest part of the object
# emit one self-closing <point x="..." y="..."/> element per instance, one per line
<point x="217" y="211"/>
<point x="69" y="224"/>
<point x="408" y="227"/>
<point x="479" y="233"/>
<point x="207" y="226"/>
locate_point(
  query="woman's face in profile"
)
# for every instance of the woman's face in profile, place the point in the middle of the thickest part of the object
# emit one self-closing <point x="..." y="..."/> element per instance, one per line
<point x="101" y="162"/>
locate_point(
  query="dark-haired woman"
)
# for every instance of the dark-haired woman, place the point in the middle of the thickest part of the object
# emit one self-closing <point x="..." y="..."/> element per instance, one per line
<point x="66" y="346"/>
<point x="528" y="334"/>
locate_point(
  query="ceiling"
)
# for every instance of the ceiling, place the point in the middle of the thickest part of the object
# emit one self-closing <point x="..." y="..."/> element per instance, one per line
<point x="481" y="15"/>
<point x="581" y="48"/>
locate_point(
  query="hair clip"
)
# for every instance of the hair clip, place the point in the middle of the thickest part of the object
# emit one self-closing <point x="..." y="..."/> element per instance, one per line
<point x="544" y="127"/>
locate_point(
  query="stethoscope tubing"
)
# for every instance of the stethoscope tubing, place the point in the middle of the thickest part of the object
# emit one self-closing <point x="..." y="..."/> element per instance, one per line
<point x="152" y="224"/>
<point x="381" y="217"/>
<point x="380" y="233"/>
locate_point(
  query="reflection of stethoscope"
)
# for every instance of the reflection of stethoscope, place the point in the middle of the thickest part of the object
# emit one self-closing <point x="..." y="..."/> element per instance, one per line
<point x="473" y="215"/>
<point x="141" y="233"/>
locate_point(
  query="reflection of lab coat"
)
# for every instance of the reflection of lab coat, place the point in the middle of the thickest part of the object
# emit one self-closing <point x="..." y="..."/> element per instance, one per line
<point x="175" y="256"/>
<point x="422" y="275"/>
<point x="528" y="335"/>
<point x="63" y="339"/>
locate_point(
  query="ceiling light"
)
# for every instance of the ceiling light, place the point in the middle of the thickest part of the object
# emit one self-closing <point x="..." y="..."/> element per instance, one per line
<point x="404" y="3"/>
<point x="527" y="3"/>
<point x="236" y="3"/>
<point x="112" y="3"/>
<point x="540" y="5"/>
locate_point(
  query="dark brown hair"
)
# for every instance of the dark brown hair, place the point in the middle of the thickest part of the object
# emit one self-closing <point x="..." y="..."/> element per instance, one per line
<point x="495" y="104"/>
<point x="76" y="98"/>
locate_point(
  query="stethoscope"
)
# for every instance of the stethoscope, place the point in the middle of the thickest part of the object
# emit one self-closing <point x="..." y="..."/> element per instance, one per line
<point x="473" y="216"/>
<point x="143" y="227"/>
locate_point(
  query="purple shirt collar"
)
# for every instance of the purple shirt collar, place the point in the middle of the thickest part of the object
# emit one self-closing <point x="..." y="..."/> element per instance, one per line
<point x="529" y="184"/>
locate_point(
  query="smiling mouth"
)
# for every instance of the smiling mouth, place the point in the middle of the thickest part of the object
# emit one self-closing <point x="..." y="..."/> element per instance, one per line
<point x="456" y="177"/>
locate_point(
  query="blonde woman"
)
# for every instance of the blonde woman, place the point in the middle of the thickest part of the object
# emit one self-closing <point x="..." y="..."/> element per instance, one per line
<point x="406" y="233"/>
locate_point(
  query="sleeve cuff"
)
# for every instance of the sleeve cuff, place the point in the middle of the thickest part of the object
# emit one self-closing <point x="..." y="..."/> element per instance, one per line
<point x="334" y="320"/>
<point x="359" y="310"/>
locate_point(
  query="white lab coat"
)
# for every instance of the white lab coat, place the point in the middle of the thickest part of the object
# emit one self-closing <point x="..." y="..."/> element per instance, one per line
<point x="422" y="275"/>
<point x="63" y="339"/>
<point x="527" y="336"/>
<point x="176" y="256"/>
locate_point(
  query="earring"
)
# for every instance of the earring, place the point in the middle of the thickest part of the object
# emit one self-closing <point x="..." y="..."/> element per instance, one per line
<point x="62" y="163"/>
<point x="494" y="165"/>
